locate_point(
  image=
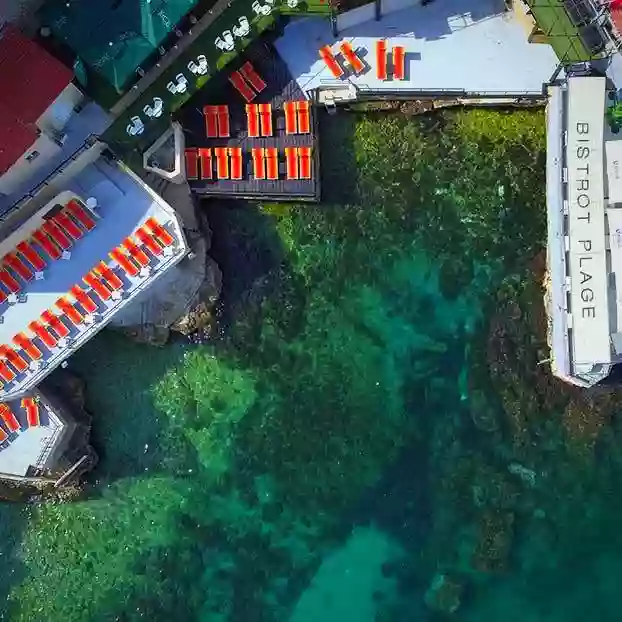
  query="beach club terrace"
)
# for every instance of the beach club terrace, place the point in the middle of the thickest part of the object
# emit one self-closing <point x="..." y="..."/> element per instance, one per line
<point x="81" y="247"/>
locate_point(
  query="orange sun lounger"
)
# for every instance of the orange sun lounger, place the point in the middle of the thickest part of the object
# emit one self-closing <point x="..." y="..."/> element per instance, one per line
<point x="135" y="252"/>
<point x="43" y="333"/>
<point x="8" y="281"/>
<point x="191" y="158"/>
<point x="259" y="163"/>
<point x="160" y="233"/>
<point x="13" y="358"/>
<point x="18" y="266"/>
<point x="32" y="411"/>
<point x="31" y="350"/>
<point x="305" y="162"/>
<point x="55" y="324"/>
<point x="291" y="159"/>
<point x="265" y="113"/>
<point x="83" y="299"/>
<point x="291" y="126"/>
<point x="149" y="241"/>
<point x="235" y="153"/>
<point x="97" y="286"/>
<point x="350" y="55"/>
<point x="205" y="157"/>
<point x="25" y="248"/>
<point x="272" y="163"/>
<point x="399" y="58"/>
<point x="331" y="62"/>
<point x="253" y="78"/>
<point x="241" y="87"/>
<point x="3" y="435"/>
<point x="304" y="120"/>
<point x="211" y="121"/>
<point x="127" y="265"/>
<point x="108" y="276"/>
<point x="252" y="117"/>
<point x="6" y="372"/>
<point x="10" y="420"/>
<point x="56" y="234"/>
<point x="75" y="317"/>
<point x="81" y="214"/>
<point x="223" y="121"/>
<point x="222" y="162"/>
<point x="381" y="59"/>
<point x="68" y="225"/>
<point x="46" y="244"/>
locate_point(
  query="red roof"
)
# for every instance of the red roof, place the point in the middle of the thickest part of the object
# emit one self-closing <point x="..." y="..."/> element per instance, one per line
<point x="31" y="80"/>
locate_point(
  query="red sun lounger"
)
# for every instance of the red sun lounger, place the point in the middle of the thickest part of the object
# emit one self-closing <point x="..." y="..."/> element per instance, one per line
<point x="68" y="225"/>
<point x="137" y="253"/>
<point x="331" y="62"/>
<point x="265" y="112"/>
<point x="160" y="233"/>
<point x="31" y="350"/>
<point x="304" y="121"/>
<point x="18" y="266"/>
<point x="381" y="59"/>
<point x="241" y="87"/>
<point x="305" y="162"/>
<point x="222" y="162"/>
<point x="3" y="435"/>
<point x="205" y="157"/>
<point x="43" y="333"/>
<point x="223" y="121"/>
<point x="191" y="158"/>
<point x="26" y="249"/>
<point x="13" y="358"/>
<point x="272" y="163"/>
<point x="259" y="163"/>
<point x="211" y="123"/>
<point x="10" y="420"/>
<point x="127" y="265"/>
<point x="6" y="372"/>
<point x="291" y="158"/>
<point x="82" y="214"/>
<point x="108" y="276"/>
<point x="32" y="411"/>
<point x="97" y="286"/>
<point x="149" y="242"/>
<point x="252" y="117"/>
<point x="46" y="244"/>
<point x="350" y="55"/>
<point x="75" y="317"/>
<point x="399" y="69"/>
<point x="291" y="125"/>
<point x="86" y="302"/>
<point x="3" y="296"/>
<point x="56" y="234"/>
<point x="8" y="281"/>
<point x="235" y="153"/>
<point x="55" y="324"/>
<point x="248" y="71"/>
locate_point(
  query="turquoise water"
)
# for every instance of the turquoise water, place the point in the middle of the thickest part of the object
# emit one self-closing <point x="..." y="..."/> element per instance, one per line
<point x="372" y="439"/>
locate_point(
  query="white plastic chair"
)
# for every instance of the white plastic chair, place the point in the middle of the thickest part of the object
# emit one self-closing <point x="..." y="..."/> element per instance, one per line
<point x="220" y="44"/>
<point x="179" y="86"/>
<point x="292" y="4"/>
<point x="154" y="111"/>
<point x="136" y="127"/>
<point x="200" y="68"/>
<point x="229" y="41"/>
<point x="243" y="29"/>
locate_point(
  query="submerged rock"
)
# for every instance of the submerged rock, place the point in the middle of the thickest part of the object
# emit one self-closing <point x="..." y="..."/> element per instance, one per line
<point x="444" y="594"/>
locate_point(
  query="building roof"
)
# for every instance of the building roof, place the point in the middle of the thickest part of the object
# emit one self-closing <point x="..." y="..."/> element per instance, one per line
<point x="32" y="80"/>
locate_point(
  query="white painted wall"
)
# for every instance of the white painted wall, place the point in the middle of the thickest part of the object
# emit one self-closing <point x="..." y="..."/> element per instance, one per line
<point x="60" y="110"/>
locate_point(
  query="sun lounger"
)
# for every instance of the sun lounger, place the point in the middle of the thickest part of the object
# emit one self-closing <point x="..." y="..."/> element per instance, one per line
<point x="18" y="266"/>
<point x="235" y="153"/>
<point x="32" y="412"/>
<point x="252" y="116"/>
<point x="399" y="57"/>
<point x="253" y="78"/>
<point x="272" y="163"/>
<point x="9" y="282"/>
<point x="265" y="113"/>
<point x="56" y="234"/>
<point x="46" y="244"/>
<point x="68" y="225"/>
<point x="97" y="286"/>
<point x="191" y="158"/>
<point x="305" y="162"/>
<point x="10" y="420"/>
<point x="108" y="276"/>
<point x="135" y="252"/>
<point x="43" y="333"/>
<point x="291" y="159"/>
<point x="3" y="435"/>
<point x="31" y="350"/>
<point x="6" y="372"/>
<point x="55" y="324"/>
<point x="291" y="125"/>
<point x="304" y="120"/>
<point x="381" y="59"/>
<point x="223" y="121"/>
<point x="259" y="163"/>
<point x="331" y="62"/>
<point x="222" y="162"/>
<point x="149" y="242"/>
<point x="26" y="249"/>
<point x="158" y="230"/>
<point x="67" y="309"/>
<point x="13" y="358"/>
<point x="127" y="265"/>
<point x="85" y="301"/>
<point x="3" y="296"/>
<point x="211" y="121"/>
<point x="350" y="55"/>
<point x="205" y="156"/>
<point x="82" y="214"/>
<point x="241" y="87"/>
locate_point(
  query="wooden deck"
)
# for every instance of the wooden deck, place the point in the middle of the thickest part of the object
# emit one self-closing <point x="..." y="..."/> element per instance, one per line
<point x="281" y="87"/>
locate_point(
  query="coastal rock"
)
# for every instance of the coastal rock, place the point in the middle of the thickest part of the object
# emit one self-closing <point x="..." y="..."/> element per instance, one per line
<point x="444" y="594"/>
<point x="494" y="541"/>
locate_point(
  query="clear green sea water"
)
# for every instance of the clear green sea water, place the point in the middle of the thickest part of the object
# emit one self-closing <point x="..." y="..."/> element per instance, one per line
<point x="372" y="439"/>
